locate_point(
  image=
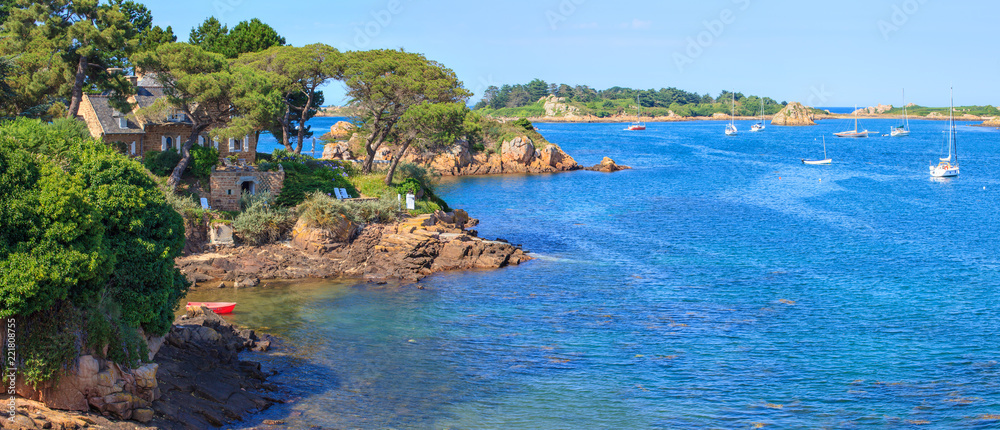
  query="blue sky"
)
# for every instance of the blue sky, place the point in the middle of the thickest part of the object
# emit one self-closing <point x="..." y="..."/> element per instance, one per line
<point x="832" y="53"/>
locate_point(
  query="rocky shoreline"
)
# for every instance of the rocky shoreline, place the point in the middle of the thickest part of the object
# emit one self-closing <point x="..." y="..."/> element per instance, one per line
<point x="407" y="250"/>
<point x="197" y="381"/>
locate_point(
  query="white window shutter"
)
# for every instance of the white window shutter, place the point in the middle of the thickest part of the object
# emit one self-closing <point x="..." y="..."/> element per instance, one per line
<point x="201" y="140"/>
<point x="232" y="144"/>
<point x="216" y="143"/>
<point x="246" y="142"/>
<point x="163" y="143"/>
<point x="179" y="144"/>
<point x="133" y="147"/>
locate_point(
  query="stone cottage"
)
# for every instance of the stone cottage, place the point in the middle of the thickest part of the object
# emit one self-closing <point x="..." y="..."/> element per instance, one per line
<point x="138" y="136"/>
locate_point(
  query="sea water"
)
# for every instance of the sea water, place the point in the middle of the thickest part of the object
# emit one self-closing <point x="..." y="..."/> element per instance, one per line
<point x="721" y="283"/>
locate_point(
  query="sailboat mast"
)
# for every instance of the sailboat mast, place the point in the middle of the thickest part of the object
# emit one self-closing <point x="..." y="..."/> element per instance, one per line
<point x="952" y="133"/>
<point x="824" y="148"/>
<point x="906" y="120"/>
<point x="855" y="118"/>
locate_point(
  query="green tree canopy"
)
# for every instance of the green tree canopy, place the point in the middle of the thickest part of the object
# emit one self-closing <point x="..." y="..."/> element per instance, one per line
<point x="384" y="84"/>
<point x="232" y="101"/>
<point x="300" y="72"/>
<point x="65" y="46"/>
<point x="245" y="37"/>
<point x="427" y="124"/>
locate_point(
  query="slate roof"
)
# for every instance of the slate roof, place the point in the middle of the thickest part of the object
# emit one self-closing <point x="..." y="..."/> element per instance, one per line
<point x="108" y="117"/>
<point x="145" y="96"/>
<point x="149" y="81"/>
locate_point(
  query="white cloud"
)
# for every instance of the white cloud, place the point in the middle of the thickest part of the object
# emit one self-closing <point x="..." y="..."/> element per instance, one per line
<point x="638" y="24"/>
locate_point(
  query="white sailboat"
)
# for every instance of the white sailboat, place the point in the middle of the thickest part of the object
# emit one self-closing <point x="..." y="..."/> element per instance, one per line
<point x="731" y="128"/>
<point x="825" y="160"/>
<point x="637" y="125"/>
<point x="945" y="168"/>
<point x="855" y="132"/>
<point x="760" y="125"/>
<point x="904" y="128"/>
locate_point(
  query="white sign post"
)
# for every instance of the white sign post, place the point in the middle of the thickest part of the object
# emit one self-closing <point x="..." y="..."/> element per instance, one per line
<point x="411" y="201"/>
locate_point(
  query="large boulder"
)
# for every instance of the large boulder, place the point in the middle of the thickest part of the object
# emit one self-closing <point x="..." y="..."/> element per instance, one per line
<point x="340" y="130"/>
<point x="454" y="159"/>
<point x="795" y="114"/>
<point x="337" y="151"/>
<point x="519" y="150"/>
<point x="95" y="383"/>
<point x="608" y="166"/>
<point x="992" y="122"/>
<point x="553" y="156"/>
<point x="321" y="240"/>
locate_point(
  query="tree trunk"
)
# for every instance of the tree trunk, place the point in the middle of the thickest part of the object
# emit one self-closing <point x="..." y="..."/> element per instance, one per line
<point x="175" y="176"/>
<point x="77" y="95"/>
<point x="395" y="161"/>
<point x="302" y="120"/>
<point x="285" y="124"/>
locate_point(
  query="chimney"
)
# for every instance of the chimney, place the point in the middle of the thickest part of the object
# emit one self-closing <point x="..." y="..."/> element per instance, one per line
<point x="134" y="80"/>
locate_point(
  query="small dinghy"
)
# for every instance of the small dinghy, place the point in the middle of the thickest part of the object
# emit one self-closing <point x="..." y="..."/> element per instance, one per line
<point x="217" y="307"/>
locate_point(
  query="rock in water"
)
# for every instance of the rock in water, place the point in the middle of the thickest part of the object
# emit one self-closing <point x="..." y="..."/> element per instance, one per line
<point x="794" y="114"/>
<point x="992" y="122"/>
<point x="608" y="166"/>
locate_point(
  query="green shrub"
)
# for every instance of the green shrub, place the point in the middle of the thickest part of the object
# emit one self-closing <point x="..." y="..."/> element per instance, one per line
<point x="203" y="159"/>
<point x="163" y="162"/>
<point x="80" y="225"/>
<point x="322" y="210"/>
<point x="49" y="342"/>
<point x="409" y="186"/>
<point x="261" y="222"/>
<point x="525" y="124"/>
<point x="304" y="175"/>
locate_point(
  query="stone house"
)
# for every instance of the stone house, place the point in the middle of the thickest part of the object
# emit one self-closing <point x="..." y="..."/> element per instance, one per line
<point x="140" y="136"/>
<point x="137" y="136"/>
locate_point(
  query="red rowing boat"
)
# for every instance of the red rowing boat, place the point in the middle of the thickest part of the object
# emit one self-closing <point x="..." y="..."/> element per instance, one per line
<point x="217" y="307"/>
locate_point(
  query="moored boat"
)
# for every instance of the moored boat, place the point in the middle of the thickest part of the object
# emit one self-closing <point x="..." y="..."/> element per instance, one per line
<point x="637" y="125"/>
<point x="825" y="160"/>
<point x="945" y="168"/>
<point x="217" y="307"/>
<point x="855" y="132"/>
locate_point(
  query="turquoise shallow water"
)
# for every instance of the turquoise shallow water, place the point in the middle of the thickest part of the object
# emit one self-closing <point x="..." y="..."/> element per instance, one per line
<point x="697" y="290"/>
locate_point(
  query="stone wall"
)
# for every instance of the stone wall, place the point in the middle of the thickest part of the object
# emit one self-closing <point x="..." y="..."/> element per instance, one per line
<point x="154" y="140"/>
<point x="227" y="182"/>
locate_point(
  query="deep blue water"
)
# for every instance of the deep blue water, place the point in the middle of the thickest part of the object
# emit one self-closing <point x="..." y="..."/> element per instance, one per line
<point x="719" y="284"/>
<point x="320" y="126"/>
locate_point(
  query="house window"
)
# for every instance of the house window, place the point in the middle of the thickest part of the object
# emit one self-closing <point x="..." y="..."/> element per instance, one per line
<point x="229" y="192"/>
<point x="237" y="145"/>
<point x="133" y="147"/>
<point x="122" y="122"/>
<point x="216" y="143"/>
<point x="201" y="140"/>
<point x="166" y="143"/>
